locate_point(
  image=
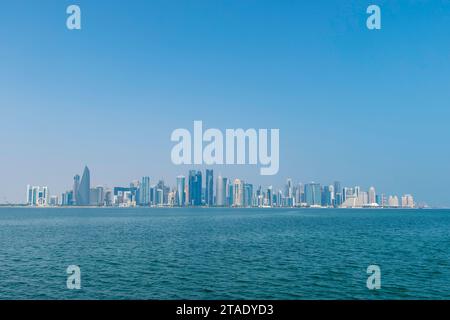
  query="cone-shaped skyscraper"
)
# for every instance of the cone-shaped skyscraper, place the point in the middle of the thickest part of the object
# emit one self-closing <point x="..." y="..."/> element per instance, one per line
<point x="84" y="188"/>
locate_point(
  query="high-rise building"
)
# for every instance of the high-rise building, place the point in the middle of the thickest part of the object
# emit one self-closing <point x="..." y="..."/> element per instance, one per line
<point x="97" y="196"/>
<point x="313" y="194"/>
<point x="37" y="196"/>
<point x="248" y="195"/>
<point x="300" y="194"/>
<point x="76" y="185"/>
<point x="53" y="201"/>
<point x="279" y="199"/>
<point x="144" y="191"/>
<point x="393" y="202"/>
<point x="94" y="197"/>
<point x="372" y="196"/>
<point x="363" y="198"/>
<point x="82" y="198"/>
<point x="195" y="188"/>
<point x="221" y="191"/>
<point x="357" y="190"/>
<point x="67" y="198"/>
<point x="238" y="193"/>
<point x="338" y="199"/>
<point x="407" y="201"/>
<point x="230" y="194"/>
<point x="29" y="195"/>
<point x="159" y="201"/>
<point x="209" y="187"/>
<point x="328" y="196"/>
<point x="152" y="194"/>
<point x="180" y="194"/>
<point x="289" y="194"/>
<point x="348" y="193"/>
<point x="269" y="200"/>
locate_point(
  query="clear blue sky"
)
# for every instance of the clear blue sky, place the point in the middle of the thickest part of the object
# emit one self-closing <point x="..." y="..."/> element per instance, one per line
<point x="363" y="107"/>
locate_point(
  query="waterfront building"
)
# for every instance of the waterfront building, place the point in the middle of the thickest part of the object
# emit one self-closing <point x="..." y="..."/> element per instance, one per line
<point x="313" y="194"/>
<point x="328" y="196"/>
<point x="238" y="195"/>
<point x="76" y="185"/>
<point x="93" y="197"/>
<point x="180" y="192"/>
<point x="144" y="191"/>
<point x="372" y="195"/>
<point x="37" y="196"/>
<point x="209" y="187"/>
<point x="338" y="199"/>
<point x="363" y="198"/>
<point x="393" y="202"/>
<point x="248" y="195"/>
<point x="230" y="194"/>
<point x="82" y="197"/>
<point x="221" y="191"/>
<point x="195" y="188"/>
<point x="159" y="201"/>
<point x="269" y="197"/>
<point x="408" y="201"/>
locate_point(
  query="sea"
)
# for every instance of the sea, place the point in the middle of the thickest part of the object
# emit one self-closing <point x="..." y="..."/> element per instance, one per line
<point x="224" y="253"/>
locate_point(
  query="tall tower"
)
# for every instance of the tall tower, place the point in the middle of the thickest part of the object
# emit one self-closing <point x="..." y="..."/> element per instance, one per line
<point x="84" y="188"/>
<point x="195" y="188"/>
<point x="337" y="194"/>
<point x="313" y="194"/>
<point x="76" y="185"/>
<point x="221" y="191"/>
<point x="209" y="190"/>
<point x="144" y="191"/>
<point x="372" y="195"/>
<point x="238" y="197"/>
<point x="181" y="195"/>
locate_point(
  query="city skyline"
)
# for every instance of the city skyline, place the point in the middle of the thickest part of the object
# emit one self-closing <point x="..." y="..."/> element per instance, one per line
<point x="363" y="106"/>
<point x="220" y="192"/>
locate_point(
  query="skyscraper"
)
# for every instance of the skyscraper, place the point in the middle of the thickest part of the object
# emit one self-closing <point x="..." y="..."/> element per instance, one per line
<point x="76" y="185"/>
<point x="84" y="189"/>
<point x="221" y="191"/>
<point x="248" y="195"/>
<point x="328" y="196"/>
<point x="230" y="194"/>
<point x="29" y="195"/>
<point x="269" y="196"/>
<point x="37" y="196"/>
<point x="289" y="193"/>
<point x="313" y="194"/>
<point x="195" y="188"/>
<point x="238" y="196"/>
<point x="209" y="188"/>
<point x="181" y="196"/>
<point x="338" y="198"/>
<point x="372" y="195"/>
<point x="393" y="202"/>
<point x="407" y="201"/>
<point x="94" y="197"/>
<point x="144" y="191"/>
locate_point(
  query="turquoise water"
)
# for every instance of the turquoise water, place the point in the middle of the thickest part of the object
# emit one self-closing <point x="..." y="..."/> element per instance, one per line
<point x="224" y="253"/>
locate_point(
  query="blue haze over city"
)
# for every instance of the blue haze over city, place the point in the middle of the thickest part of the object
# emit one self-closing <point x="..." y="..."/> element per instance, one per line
<point x="362" y="107"/>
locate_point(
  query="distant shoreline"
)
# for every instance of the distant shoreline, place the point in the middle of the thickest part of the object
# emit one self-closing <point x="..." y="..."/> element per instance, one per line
<point x="206" y="207"/>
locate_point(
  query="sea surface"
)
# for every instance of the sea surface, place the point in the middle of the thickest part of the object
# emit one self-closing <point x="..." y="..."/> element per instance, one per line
<point x="213" y="253"/>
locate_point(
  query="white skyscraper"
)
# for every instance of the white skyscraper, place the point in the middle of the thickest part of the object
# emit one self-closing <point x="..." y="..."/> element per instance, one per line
<point x="238" y="193"/>
<point x="407" y="201"/>
<point x="37" y="196"/>
<point x="221" y="191"/>
<point x="393" y="201"/>
<point x="372" y="195"/>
